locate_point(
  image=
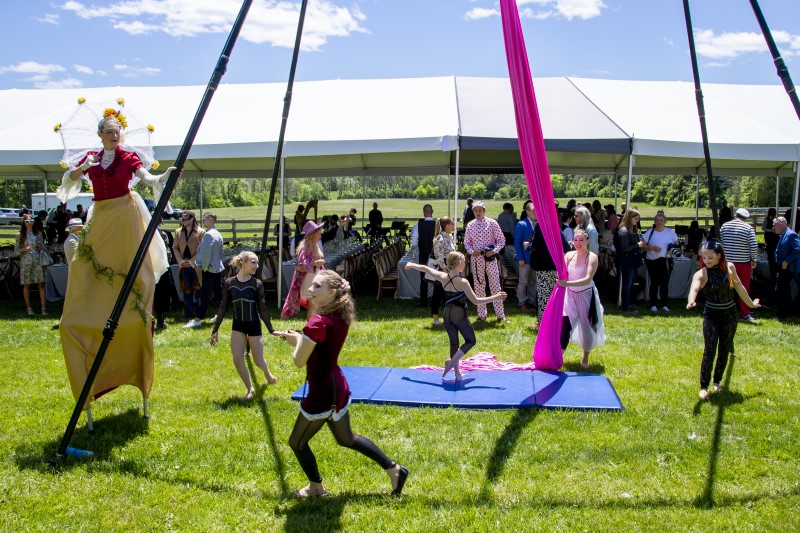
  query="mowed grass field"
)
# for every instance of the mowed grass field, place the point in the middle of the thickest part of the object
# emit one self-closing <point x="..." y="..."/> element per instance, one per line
<point x="203" y="461"/>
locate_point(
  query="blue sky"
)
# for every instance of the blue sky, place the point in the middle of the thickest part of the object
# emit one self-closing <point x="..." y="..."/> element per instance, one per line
<point x="71" y="43"/>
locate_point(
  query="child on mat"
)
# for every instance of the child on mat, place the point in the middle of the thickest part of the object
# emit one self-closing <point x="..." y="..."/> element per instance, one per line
<point x="317" y="348"/>
<point x="246" y="292"/>
<point x="718" y="280"/>
<point x="456" y="291"/>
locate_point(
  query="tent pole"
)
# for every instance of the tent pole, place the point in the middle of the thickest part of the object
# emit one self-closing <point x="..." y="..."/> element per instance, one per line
<point x="631" y="162"/>
<point x="44" y="190"/>
<point x="363" y="198"/>
<point x="777" y="193"/>
<point x="448" y="196"/>
<point x="279" y="273"/>
<point x="615" y="190"/>
<point x="793" y="220"/>
<point x="455" y="194"/>
<point x="696" y="196"/>
<point x="201" y="195"/>
<point x="701" y="113"/>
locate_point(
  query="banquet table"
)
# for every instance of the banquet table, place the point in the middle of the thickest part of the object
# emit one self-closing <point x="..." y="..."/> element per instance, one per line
<point x="334" y="253"/>
<point x="408" y="281"/>
<point x="55" y="282"/>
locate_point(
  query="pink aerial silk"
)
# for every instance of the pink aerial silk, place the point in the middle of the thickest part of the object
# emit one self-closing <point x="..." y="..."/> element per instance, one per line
<point x="547" y="350"/>
<point x="482" y="361"/>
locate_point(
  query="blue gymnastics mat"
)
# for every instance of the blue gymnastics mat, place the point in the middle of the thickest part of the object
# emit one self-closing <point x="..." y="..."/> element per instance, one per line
<point x="479" y="390"/>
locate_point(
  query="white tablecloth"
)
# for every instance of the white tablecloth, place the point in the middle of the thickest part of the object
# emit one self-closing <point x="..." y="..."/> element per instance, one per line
<point x="408" y="281"/>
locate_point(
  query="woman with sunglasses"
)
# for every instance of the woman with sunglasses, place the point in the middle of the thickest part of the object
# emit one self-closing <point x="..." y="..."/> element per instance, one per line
<point x="29" y="245"/>
<point x="718" y="281"/>
<point x="187" y="241"/>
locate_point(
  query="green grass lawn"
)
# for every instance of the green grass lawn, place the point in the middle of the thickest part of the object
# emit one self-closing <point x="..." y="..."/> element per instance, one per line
<point x="205" y="462"/>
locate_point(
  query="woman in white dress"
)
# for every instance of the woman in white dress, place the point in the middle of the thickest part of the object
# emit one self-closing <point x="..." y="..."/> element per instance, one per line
<point x="583" y="313"/>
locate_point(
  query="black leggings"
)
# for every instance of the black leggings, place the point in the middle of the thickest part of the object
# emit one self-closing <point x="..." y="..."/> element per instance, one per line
<point x="659" y="279"/>
<point x="305" y="429"/>
<point x="455" y="322"/>
<point x="718" y="332"/>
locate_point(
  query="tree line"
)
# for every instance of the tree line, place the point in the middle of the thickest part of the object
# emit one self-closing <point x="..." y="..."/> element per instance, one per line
<point x="667" y="191"/>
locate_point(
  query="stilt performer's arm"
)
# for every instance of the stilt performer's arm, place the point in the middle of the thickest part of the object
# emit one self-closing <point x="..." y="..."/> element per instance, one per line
<point x="547" y="351"/>
<point x="133" y="272"/>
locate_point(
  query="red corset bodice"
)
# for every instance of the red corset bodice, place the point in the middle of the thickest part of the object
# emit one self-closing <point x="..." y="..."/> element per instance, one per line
<point x="112" y="182"/>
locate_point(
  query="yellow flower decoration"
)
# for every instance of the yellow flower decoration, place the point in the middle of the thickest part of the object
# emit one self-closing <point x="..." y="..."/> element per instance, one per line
<point x="109" y="112"/>
<point x="123" y="122"/>
<point x="155" y="165"/>
<point x="81" y="100"/>
<point x="57" y="127"/>
<point x="121" y="101"/>
<point x="150" y="128"/>
<point x="63" y="165"/>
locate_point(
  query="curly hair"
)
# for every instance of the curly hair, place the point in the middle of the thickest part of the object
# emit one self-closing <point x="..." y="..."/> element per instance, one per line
<point x="342" y="303"/>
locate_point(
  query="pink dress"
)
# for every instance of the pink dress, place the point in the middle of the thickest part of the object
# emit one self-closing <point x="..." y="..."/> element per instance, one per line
<point x="304" y="265"/>
<point x="587" y="331"/>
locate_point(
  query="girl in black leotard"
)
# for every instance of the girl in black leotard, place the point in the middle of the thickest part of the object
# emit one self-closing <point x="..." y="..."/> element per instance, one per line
<point x="718" y="281"/>
<point x="246" y="293"/>
<point x="457" y="291"/>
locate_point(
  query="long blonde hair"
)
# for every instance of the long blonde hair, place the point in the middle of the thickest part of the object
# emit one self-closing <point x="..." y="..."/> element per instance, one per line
<point x="342" y="303"/>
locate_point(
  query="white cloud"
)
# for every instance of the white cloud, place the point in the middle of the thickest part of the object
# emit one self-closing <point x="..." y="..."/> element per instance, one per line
<point x="82" y="69"/>
<point x="268" y="21"/>
<point x="669" y="42"/>
<point x="67" y="83"/>
<point x="730" y="45"/>
<point x="134" y="72"/>
<point x="478" y="13"/>
<point x="544" y="9"/>
<point x="32" y="67"/>
<point x="49" y="18"/>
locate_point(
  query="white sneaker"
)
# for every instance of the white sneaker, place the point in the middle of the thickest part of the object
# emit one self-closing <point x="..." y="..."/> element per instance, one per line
<point x="193" y="323"/>
<point x="654" y="309"/>
<point x="665" y="309"/>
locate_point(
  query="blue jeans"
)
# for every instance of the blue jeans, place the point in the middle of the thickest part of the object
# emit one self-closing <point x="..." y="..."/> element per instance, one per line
<point x="628" y="278"/>
<point x="211" y="285"/>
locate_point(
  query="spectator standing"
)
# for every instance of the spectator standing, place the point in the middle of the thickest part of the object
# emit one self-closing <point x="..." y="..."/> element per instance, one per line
<point x="443" y="243"/>
<point x="30" y="242"/>
<point x="725" y="213"/>
<point x="583" y="220"/>
<point x="523" y="234"/>
<point x="629" y="246"/>
<point x="739" y="244"/>
<point x="422" y="238"/>
<point x="71" y="244"/>
<point x="483" y="240"/>
<point x="352" y="220"/>
<point x="567" y="220"/>
<point x="658" y="240"/>
<point x="787" y="259"/>
<point x="542" y="262"/>
<point x="185" y="246"/>
<point x="598" y="217"/>
<point x="771" y="241"/>
<point x="694" y="237"/>
<point x="507" y="221"/>
<point x="209" y="261"/>
<point x="468" y="215"/>
<point x="299" y="219"/>
<point x="79" y="213"/>
<point x="612" y="220"/>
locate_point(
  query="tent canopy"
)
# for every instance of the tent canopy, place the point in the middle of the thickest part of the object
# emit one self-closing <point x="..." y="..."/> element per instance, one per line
<point x="414" y="126"/>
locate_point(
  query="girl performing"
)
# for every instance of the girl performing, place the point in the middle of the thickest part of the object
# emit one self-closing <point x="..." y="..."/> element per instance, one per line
<point x="456" y="292"/>
<point x="328" y="400"/>
<point x="246" y="292"/>
<point x="583" y="314"/>
<point x="718" y="280"/>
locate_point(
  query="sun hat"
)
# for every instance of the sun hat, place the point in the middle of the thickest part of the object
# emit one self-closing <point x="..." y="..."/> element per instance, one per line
<point x="75" y="223"/>
<point x="479" y="204"/>
<point x="742" y="213"/>
<point x="311" y="227"/>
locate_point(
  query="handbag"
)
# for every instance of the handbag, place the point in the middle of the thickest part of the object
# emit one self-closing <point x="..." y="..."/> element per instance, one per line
<point x="45" y="259"/>
<point x="434" y="264"/>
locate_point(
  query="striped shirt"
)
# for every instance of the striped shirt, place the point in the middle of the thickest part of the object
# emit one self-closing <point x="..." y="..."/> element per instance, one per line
<point x="739" y="241"/>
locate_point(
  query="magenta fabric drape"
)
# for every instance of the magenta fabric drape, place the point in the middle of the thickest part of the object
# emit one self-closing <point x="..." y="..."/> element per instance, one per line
<point x="547" y="350"/>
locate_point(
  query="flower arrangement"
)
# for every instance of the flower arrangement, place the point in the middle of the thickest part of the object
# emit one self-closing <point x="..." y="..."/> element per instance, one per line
<point x="150" y="128"/>
<point x="57" y="127"/>
<point x="155" y="165"/>
<point x="63" y="165"/>
<point x="109" y="112"/>
<point x="121" y="101"/>
<point x="81" y="100"/>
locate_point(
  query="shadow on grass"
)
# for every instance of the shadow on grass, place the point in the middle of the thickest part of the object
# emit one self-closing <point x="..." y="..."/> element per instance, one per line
<point x="324" y="514"/>
<point x="280" y="467"/>
<point x="575" y="366"/>
<point x="109" y="432"/>
<point x="503" y="448"/>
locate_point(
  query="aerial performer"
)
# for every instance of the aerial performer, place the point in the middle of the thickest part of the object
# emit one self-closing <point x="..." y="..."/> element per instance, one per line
<point x="718" y="281"/>
<point x="547" y="354"/>
<point x="116" y="224"/>
<point x="317" y="348"/>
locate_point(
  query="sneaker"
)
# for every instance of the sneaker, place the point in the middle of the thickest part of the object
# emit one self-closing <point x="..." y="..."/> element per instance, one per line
<point x="717" y="387"/>
<point x="193" y="323"/>
<point x="665" y="309"/>
<point x="749" y="318"/>
<point x="703" y="394"/>
<point x="654" y="309"/>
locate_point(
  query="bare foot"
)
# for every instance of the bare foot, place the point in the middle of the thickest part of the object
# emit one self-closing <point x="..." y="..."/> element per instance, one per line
<point x="311" y="490"/>
<point x="249" y="396"/>
<point x="272" y="380"/>
<point x="458" y="374"/>
<point x="448" y="366"/>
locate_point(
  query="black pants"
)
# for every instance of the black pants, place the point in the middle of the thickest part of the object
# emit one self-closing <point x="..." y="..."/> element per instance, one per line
<point x="719" y="328"/>
<point x="305" y="429"/>
<point x="438" y="297"/>
<point x="455" y="322"/>
<point x="423" y="290"/>
<point x="783" y="293"/>
<point x="659" y="280"/>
